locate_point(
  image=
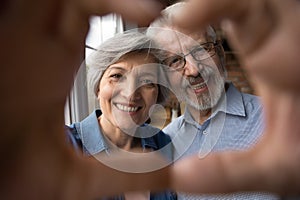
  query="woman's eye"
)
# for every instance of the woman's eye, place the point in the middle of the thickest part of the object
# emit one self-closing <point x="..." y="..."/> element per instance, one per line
<point x="116" y="76"/>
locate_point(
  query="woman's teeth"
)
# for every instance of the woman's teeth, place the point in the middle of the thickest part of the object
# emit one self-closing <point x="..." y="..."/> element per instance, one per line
<point x="127" y="108"/>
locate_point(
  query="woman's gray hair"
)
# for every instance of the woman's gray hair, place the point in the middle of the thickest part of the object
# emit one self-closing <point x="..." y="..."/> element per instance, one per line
<point x="113" y="49"/>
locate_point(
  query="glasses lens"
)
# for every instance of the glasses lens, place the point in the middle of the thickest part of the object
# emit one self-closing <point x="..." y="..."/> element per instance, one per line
<point x="175" y="62"/>
<point x="204" y="51"/>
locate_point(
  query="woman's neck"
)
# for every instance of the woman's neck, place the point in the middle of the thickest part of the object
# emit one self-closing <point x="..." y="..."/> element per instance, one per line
<point x="116" y="136"/>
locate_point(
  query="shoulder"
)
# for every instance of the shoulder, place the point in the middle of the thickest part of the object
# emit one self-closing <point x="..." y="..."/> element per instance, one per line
<point x="157" y="134"/>
<point x="158" y="140"/>
<point x="252" y="103"/>
<point x="166" y="195"/>
<point x="85" y="133"/>
<point x="174" y="126"/>
<point x="73" y="137"/>
<point x="239" y="100"/>
<point x="162" y="136"/>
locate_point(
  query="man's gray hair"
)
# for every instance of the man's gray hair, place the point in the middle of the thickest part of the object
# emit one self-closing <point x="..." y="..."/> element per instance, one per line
<point x="166" y="19"/>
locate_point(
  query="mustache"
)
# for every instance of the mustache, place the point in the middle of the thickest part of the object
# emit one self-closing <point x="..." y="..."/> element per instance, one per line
<point x="204" y="74"/>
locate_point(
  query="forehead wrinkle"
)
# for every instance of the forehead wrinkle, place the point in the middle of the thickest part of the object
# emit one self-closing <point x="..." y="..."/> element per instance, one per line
<point x="145" y="70"/>
<point x="183" y="44"/>
<point x="115" y="66"/>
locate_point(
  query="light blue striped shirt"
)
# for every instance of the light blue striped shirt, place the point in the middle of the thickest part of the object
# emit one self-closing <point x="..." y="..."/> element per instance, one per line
<point x="235" y="124"/>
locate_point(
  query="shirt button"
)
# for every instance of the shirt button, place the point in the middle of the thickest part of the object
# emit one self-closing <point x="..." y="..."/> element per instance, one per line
<point x="205" y="132"/>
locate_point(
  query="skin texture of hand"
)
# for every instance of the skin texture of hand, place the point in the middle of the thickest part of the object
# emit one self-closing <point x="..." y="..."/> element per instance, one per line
<point x="266" y="34"/>
<point x="42" y="46"/>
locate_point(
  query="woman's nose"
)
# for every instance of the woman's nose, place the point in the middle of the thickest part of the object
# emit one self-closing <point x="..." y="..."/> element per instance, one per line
<point x="130" y="90"/>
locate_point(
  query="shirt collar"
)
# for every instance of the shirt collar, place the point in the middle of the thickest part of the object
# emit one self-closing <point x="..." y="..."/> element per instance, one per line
<point x="233" y="101"/>
<point x="94" y="141"/>
<point x="146" y="133"/>
<point x="92" y="138"/>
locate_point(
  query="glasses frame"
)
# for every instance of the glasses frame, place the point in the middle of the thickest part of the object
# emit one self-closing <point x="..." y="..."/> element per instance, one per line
<point x="215" y="44"/>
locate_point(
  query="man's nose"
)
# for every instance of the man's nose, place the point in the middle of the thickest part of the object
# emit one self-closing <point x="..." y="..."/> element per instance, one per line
<point x="191" y="68"/>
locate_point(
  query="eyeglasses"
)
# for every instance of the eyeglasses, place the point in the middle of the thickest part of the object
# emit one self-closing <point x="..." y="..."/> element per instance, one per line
<point x="200" y="53"/>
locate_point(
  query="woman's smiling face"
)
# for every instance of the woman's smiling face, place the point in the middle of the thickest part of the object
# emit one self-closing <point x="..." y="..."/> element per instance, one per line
<point x="127" y="91"/>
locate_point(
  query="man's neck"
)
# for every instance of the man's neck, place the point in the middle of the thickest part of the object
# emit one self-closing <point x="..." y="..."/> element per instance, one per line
<point x="199" y="116"/>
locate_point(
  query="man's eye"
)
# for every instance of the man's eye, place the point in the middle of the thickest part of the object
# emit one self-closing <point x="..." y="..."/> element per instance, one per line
<point x="201" y="50"/>
<point x="175" y="60"/>
<point x="205" y="47"/>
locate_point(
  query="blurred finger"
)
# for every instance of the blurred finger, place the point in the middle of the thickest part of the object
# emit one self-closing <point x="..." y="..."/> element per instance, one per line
<point x="96" y="175"/>
<point x="201" y="13"/>
<point x="140" y="11"/>
<point x="31" y="13"/>
<point x="73" y="26"/>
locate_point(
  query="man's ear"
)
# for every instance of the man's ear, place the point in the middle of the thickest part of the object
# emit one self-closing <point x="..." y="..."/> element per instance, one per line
<point x="221" y="54"/>
<point x="220" y="51"/>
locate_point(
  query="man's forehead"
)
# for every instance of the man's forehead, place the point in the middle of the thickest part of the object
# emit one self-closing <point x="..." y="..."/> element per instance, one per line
<point x="172" y="40"/>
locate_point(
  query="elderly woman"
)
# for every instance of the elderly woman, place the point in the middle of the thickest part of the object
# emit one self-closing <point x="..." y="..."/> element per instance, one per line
<point x="124" y="75"/>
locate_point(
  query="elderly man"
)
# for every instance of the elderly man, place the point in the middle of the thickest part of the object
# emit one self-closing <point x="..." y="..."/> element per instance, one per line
<point x="217" y="116"/>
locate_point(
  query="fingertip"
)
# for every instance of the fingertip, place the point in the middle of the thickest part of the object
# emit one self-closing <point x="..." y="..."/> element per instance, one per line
<point x="188" y="17"/>
<point x="141" y="12"/>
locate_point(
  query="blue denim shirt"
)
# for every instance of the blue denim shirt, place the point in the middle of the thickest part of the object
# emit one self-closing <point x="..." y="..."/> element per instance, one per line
<point x="235" y="124"/>
<point x="87" y="138"/>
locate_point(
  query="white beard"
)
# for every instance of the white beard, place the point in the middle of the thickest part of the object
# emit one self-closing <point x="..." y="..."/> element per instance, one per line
<point x="210" y="99"/>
